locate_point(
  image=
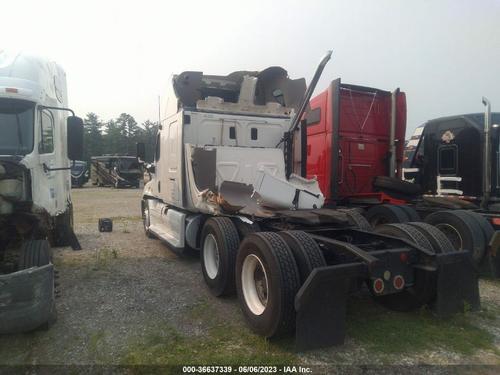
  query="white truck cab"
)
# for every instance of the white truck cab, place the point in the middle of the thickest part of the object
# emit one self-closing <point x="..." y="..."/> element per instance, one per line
<point x="37" y="141"/>
<point x="219" y="139"/>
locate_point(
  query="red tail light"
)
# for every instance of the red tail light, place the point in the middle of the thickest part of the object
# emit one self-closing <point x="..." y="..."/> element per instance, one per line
<point x="378" y="286"/>
<point x="398" y="282"/>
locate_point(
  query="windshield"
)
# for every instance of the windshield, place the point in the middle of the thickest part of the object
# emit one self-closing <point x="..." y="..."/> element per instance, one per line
<point x="78" y="167"/>
<point x="128" y="164"/>
<point x="16" y="126"/>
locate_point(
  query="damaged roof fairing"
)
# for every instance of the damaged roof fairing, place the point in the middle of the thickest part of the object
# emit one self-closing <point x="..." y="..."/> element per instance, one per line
<point x="271" y="88"/>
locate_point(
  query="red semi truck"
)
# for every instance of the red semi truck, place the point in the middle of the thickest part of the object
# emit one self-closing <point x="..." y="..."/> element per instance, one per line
<point x="355" y="148"/>
<point x="367" y="126"/>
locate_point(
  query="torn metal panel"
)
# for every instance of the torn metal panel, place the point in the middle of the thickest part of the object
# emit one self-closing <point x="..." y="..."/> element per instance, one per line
<point x="197" y="200"/>
<point x="203" y="161"/>
<point x="275" y="86"/>
<point x="295" y="193"/>
<point x="270" y="92"/>
<point x="245" y="180"/>
<point x="235" y="197"/>
<point x="26" y="299"/>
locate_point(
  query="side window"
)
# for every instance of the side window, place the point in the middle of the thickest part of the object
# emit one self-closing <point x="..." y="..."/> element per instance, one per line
<point x="447" y="160"/>
<point x="313" y="117"/>
<point x="157" y="148"/>
<point x="47" y="132"/>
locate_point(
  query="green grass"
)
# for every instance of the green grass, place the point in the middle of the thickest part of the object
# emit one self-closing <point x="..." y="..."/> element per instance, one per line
<point x="221" y="345"/>
<point x="389" y="332"/>
<point x="95" y="340"/>
<point x="221" y="342"/>
<point x="104" y="257"/>
<point x="381" y="332"/>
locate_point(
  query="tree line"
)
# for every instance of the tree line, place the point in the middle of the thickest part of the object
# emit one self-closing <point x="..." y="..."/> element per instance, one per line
<point x="117" y="136"/>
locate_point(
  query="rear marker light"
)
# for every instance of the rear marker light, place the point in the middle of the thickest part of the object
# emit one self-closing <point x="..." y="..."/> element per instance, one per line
<point x="398" y="282"/>
<point x="403" y="257"/>
<point x="11" y="90"/>
<point x="378" y="286"/>
<point x="495" y="221"/>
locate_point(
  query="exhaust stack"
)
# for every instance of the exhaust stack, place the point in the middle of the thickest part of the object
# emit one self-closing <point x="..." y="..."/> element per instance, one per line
<point x="486" y="155"/>
<point x="392" y="137"/>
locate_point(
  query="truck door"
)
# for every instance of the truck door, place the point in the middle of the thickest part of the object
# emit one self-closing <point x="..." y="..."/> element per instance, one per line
<point x="171" y="174"/>
<point x="45" y="192"/>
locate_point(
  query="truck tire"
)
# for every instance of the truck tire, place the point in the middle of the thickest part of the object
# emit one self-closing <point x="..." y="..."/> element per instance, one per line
<point x="219" y="247"/>
<point x="35" y="253"/>
<point x="385" y="214"/>
<point x="462" y="230"/>
<point x="355" y="218"/>
<point x="407" y="232"/>
<point x="267" y="280"/>
<point x="440" y="243"/>
<point x="146" y="219"/>
<point x="424" y="289"/>
<point x="410" y="212"/>
<point x="485" y="225"/>
<point x="306" y="252"/>
<point x="396" y="185"/>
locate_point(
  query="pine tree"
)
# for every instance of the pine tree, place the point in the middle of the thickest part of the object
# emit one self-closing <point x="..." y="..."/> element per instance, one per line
<point x="92" y="136"/>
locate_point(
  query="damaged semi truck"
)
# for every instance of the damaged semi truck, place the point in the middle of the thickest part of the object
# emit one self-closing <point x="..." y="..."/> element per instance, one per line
<point x="223" y="183"/>
<point x="37" y="141"/>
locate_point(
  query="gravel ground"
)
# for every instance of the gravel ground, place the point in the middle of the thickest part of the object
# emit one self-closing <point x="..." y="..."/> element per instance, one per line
<point x="122" y="288"/>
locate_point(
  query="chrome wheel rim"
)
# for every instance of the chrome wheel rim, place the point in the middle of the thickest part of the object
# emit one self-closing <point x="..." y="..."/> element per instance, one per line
<point x="211" y="256"/>
<point x="254" y="284"/>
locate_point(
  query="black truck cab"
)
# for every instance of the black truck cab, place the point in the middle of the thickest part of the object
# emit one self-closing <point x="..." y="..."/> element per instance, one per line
<point x="450" y="158"/>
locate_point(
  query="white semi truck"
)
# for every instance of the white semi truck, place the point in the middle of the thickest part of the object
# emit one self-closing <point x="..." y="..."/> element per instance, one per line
<point x="222" y="183"/>
<point x="37" y="141"/>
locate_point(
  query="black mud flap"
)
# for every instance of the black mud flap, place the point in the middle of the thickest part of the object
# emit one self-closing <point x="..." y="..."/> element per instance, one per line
<point x="457" y="284"/>
<point x="494" y="254"/>
<point x="321" y="306"/>
<point x="73" y="240"/>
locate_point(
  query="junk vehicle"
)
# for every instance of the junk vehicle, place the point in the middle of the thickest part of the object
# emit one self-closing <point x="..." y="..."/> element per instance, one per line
<point x="79" y="173"/>
<point x="355" y="148"/>
<point x="37" y="141"/>
<point x="115" y="170"/>
<point x="223" y="183"/>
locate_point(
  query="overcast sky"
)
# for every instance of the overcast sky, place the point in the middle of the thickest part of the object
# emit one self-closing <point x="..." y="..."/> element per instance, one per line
<point x="119" y="55"/>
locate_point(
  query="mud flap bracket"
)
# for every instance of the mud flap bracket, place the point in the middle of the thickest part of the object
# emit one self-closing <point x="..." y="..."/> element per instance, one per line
<point x="494" y="254"/>
<point x="321" y="306"/>
<point x="457" y="284"/>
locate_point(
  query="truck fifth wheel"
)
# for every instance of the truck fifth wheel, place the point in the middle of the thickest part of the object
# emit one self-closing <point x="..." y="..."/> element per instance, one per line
<point x="223" y="183"/>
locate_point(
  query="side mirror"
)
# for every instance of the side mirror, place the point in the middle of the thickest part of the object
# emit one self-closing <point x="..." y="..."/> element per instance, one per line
<point x="75" y="138"/>
<point x="150" y="168"/>
<point x="141" y="151"/>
